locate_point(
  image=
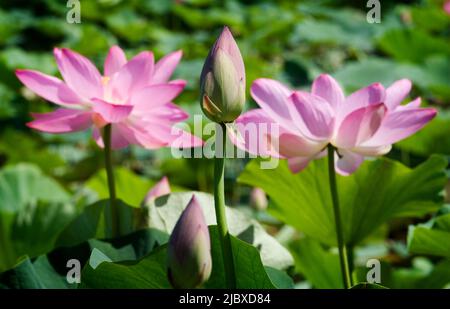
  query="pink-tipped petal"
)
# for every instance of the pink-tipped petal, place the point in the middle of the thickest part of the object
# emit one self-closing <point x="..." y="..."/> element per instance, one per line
<point x="297" y="164"/>
<point x="118" y="140"/>
<point x="373" y="94"/>
<point x="178" y="81"/>
<point x="400" y="124"/>
<point x="134" y="75"/>
<point x="374" y="151"/>
<point x="114" y="61"/>
<point x="347" y="162"/>
<point x="290" y="145"/>
<point x="182" y="139"/>
<point x="61" y="121"/>
<point x="79" y="73"/>
<point x="161" y="188"/>
<point x="411" y="105"/>
<point x="149" y="136"/>
<point x="226" y="43"/>
<point x="272" y="97"/>
<point x="153" y="96"/>
<point x="315" y="115"/>
<point x="253" y="133"/>
<point x="48" y="87"/>
<point x="259" y="135"/>
<point x="359" y="126"/>
<point x="397" y="92"/>
<point x="328" y="88"/>
<point x="415" y="103"/>
<point x="165" y="67"/>
<point x="169" y="111"/>
<point x="111" y="112"/>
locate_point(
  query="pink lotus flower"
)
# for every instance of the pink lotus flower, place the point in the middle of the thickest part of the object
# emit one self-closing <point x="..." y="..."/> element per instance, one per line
<point x="134" y="96"/>
<point x="366" y="123"/>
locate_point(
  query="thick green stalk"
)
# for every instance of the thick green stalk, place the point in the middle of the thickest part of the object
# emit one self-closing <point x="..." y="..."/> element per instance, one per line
<point x="337" y="218"/>
<point x="110" y="177"/>
<point x="219" y="204"/>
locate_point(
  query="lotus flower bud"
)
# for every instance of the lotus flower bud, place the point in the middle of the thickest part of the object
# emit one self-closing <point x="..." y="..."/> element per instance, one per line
<point x="258" y="199"/>
<point x="223" y="80"/>
<point x="189" y="250"/>
<point x="159" y="189"/>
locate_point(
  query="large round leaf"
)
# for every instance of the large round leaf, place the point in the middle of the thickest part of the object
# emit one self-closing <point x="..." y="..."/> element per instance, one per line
<point x="377" y="192"/>
<point x="164" y="212"/>
<point x="34" y="209"/>
<point x="150" y="272"/>
<point x="25" y="183"/>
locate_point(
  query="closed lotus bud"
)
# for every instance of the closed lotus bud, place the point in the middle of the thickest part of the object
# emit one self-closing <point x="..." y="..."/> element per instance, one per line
<point x="258" y="199"/>
<point x="223" y="80"/>
<point x="189" y="249"/>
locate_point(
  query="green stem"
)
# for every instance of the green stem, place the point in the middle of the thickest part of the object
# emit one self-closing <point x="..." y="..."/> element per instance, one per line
<point x="337" y="218"/>
<point x="110" y="177"/>
<point x="351" y="260"/>
<point x="219" y="204"/>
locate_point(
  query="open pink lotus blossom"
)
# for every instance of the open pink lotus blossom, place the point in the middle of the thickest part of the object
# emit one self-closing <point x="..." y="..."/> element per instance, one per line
<point x="134" y="96"/>
<point x="366" y="123"/>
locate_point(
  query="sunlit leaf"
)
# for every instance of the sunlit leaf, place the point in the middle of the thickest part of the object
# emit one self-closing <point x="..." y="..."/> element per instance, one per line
<point x="164" y="212"/>
<point x="378" y="191"/>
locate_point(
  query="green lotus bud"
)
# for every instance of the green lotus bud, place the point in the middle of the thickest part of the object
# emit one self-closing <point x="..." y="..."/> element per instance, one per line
<point x="189" y="250"/>
<point x="223" y="80"/>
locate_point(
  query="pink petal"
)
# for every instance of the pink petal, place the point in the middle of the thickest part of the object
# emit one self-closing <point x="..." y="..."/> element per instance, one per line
<point x="272" y="97"/>
<point x="397" y="92"/>
<point x="347" y="162"/>
<point x="165" y="67"/>
<point x="143" y="134"/>
<point x="182" y="139"/>
<point x="161" y="188"/>
<point x="290" y="145"/>
<point x="328" y="88"/>
<point x="79" y="73"/>
<point x="415" y="103"/>
<point x="316" y="119"/>
<point x="134" y="75"/>
<point x="48" y="87"/>
<point x="400" y="124"/>
<point x="411" y="105"/>
<point x="61" y="121"/>
<point x="252" y="134"/>
<point x="373" y="151"/>
<point x="111" y="112"/>
<point x="369" y="95"/>
<point x="359" y="126"/>
<point x="259" y="135"/>
<point x="297" y="164"/>
<point x="153" y="96"/>
<point x="114" y="61"/>
<point x="169" y="111"/>
<point x="118" y="140"/>
<point x="178" y="81"/>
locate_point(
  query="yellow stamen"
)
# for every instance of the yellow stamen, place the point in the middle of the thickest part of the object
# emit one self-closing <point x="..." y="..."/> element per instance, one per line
<point x="105" y="80"/>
